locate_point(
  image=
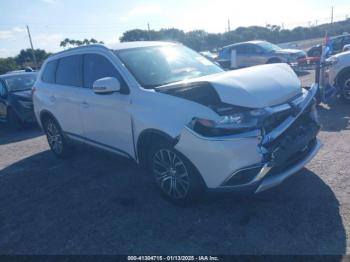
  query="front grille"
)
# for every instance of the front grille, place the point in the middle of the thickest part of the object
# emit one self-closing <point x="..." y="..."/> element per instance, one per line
<point x="274" y="120"/>
<point x="293" y="159"/>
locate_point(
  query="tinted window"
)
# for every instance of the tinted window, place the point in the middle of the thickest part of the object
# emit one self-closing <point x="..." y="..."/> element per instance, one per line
<point x="96" y="67"/>
<point x="346" y="40"/>
<point x="69" y="71"/>
<point x="50" y="72"/>
<point x="241" y="49"/>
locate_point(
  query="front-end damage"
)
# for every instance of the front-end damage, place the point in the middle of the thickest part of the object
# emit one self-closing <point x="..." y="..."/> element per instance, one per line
<point x="280" y="145"/>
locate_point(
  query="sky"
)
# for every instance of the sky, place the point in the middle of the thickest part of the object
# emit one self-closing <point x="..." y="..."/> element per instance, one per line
<point x="51" y="21"/>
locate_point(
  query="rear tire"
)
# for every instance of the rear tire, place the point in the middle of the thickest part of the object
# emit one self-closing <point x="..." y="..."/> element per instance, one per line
<point x="58" y="143"/>
<point x="175" y="176"/>
<point x="13" y="120"/>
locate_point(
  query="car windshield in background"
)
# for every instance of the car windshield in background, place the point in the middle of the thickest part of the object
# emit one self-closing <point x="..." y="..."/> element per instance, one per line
<point x="269" y="47"/>
<point x="160" y="65"/>
<point x="20" y="82"/>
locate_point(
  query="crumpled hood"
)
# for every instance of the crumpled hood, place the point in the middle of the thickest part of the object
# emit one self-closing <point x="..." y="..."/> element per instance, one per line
<point x="255" y="87"/>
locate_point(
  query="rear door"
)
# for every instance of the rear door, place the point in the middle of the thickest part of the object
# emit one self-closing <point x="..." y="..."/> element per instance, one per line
<point x="242" y="56"/>
<point x="65" y="97"/>
<point x="254" y="55"/>
<point x="106" y="117"/>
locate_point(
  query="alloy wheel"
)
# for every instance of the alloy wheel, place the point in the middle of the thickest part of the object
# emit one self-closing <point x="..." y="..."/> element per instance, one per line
<point x="54" y="137"/>
<point x="171" y="174"/>
<point x="346" y="89"/>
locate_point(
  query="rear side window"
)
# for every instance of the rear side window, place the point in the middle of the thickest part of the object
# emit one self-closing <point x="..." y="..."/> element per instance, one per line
<point x="241" y="49"/>
<point x="50" y="72"/>
<point x="96" y="67"/>
<point x="69" y="71"/>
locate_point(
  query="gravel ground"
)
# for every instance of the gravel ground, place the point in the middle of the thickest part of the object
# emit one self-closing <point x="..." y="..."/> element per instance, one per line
<point x="97" y="203"/>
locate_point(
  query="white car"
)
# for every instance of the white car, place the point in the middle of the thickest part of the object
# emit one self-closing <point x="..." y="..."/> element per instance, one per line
<point x="193" y="125"/>
<point x="338" y="74"/>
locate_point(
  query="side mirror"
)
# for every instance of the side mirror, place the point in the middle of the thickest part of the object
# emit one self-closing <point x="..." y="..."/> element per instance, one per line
<point x="106" y="85"/>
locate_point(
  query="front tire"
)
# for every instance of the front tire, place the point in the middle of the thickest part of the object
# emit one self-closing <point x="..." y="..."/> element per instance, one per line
<point x="57" y="141"/>
<point x="174" y="175"/>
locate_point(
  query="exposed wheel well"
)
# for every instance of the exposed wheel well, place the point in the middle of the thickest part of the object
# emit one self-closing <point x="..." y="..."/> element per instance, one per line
<point x="44" y="116"/>
<point x="146" y="140"/>
<point x="273" y="60"/>
<point x="344" y="72"/>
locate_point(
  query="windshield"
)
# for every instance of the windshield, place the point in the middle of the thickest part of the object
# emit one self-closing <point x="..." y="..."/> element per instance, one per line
<point x="268" y="46"/>
<point x="20" y="82"/>
<point x="160" y="65"/>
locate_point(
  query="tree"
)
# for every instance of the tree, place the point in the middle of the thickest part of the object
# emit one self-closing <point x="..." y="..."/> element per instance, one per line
<point x="25" y="58"/>
<point x="72" y="43"/>
<point x="7" y="64"/>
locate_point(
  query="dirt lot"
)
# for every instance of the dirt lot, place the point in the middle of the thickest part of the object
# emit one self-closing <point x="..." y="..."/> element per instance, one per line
<point x="97" y="203"/>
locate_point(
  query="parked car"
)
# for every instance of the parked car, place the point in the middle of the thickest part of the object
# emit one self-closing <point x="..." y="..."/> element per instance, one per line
<point x="209" y="55"/>
<point x="346" y="48"/>
<point x="191" y="124"/>
<point x="257" y="53"/>
<point x="336" y="45"/>
<point x="16" y="105"/>
<point x="338" y="74"/>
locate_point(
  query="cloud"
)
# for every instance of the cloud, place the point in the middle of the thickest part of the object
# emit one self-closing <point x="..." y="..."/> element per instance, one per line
<point x="49" y="42"/>
<point x="12" y="33"/>
<point x="51" y="2"/>
<point x="145" y="10"/>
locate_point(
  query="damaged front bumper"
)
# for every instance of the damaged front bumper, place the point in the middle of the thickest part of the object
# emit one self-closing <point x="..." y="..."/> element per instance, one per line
<point x="257" y="160"/>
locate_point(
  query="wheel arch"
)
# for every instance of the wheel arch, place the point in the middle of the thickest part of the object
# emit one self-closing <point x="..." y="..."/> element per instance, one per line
<point x="341" y="74"/>
<point x="145" y="139"/>
<point x="44" y="115"/>
<point x="274" y="60"/>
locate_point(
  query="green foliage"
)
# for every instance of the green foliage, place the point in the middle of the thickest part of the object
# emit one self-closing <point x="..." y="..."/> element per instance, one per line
<point x="7" y="64"/>
<point x="25" y="57"/>
<point x="73" y="43"/>
<point x="200" y="40"/>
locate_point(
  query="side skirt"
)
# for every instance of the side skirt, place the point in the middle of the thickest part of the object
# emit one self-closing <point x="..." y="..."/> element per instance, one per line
<point x="98" y="145"/>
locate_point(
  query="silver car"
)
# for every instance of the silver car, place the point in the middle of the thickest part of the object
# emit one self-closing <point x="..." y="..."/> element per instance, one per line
<point x="256" y="53"/>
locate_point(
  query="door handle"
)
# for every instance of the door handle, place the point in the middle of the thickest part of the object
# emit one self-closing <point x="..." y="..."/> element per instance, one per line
<point x="52" y="98"/>
<point x="85" y="104"/>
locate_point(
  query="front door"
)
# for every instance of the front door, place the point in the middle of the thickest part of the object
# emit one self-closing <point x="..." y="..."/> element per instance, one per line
<point x="106" y="117"/>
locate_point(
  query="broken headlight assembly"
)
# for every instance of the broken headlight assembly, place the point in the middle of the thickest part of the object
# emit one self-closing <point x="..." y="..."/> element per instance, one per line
<point x="229" y="124"/>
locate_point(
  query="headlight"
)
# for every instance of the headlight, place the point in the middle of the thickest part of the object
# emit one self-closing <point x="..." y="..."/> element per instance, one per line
<point x="332" y="61"/>
<point x="229" y="124"/>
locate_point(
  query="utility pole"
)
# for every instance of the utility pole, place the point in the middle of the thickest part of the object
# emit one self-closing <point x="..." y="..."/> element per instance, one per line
<point x="31" y="44"/>
<point x="149" y="31"/>
<point x="228" y="25"/>
<point x="332" y="15"/>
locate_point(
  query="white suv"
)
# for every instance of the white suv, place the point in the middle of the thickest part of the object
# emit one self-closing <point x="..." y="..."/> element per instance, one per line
<point x="338" y="74"/>
<point x="193" y="125"/>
